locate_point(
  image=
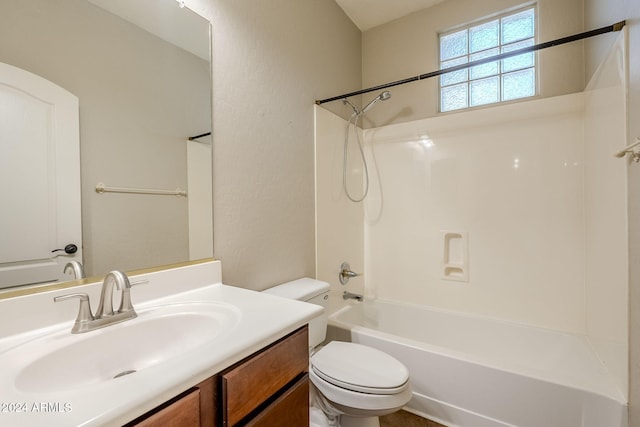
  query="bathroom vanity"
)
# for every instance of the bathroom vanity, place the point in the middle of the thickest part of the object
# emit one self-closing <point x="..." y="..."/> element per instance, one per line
<point x="198" y="353"/>
<point x="270" y="387"/>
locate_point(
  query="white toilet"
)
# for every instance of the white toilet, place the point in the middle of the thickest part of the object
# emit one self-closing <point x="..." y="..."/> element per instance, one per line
<point x="352" y="384"/>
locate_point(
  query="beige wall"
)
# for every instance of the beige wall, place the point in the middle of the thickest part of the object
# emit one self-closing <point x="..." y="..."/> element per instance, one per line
<point x="271" y="61"/>
<point x="599" y="13"/>
<point x="408" y="47"/>
<point x="140" y="98"/>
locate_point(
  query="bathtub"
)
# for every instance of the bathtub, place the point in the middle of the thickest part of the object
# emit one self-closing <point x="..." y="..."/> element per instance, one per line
<point x="469" y="371"/>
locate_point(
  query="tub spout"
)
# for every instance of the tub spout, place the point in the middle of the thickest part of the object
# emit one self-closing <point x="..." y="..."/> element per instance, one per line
<point x="348" y="295"/>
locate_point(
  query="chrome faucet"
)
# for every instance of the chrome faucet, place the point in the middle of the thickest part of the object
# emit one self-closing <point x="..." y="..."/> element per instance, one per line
<point x="105" y="307"/>
<point x="348" y="295"/>
<point x="105" y="315"/>
<point x="76" y="268"/>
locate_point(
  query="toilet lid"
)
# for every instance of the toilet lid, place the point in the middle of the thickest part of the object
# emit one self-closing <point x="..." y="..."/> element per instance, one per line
<point x="360" y="368"/>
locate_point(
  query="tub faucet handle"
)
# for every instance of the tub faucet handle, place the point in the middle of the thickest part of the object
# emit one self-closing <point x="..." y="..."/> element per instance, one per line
<point x="345" y="273"/>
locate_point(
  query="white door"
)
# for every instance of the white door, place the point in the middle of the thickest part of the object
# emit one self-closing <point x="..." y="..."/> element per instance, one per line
<point x="39" y="178"/>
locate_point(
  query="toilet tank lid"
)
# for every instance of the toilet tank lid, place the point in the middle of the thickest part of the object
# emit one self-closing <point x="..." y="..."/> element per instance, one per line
<point x="300" y="289"/>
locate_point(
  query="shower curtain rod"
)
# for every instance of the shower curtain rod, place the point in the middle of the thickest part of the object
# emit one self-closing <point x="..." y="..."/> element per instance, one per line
<point x="615" y="27"/>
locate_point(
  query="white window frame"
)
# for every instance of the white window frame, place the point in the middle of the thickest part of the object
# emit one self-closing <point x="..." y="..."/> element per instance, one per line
<point x="467" y="58"/>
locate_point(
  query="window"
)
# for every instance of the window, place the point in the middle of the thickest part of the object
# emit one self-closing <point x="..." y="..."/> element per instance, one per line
<point x="504" y="80"/>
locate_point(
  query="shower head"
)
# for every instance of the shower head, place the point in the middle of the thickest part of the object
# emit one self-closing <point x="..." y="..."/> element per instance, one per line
<point x="383" y="96"/>
<point x="345" y="101"/>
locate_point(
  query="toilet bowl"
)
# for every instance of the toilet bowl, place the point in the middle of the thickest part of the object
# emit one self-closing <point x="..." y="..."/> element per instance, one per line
<point x="352" y="383"/>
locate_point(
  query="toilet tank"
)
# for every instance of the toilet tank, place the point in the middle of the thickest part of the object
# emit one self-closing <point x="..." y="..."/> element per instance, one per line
<point x="311" y="291"/>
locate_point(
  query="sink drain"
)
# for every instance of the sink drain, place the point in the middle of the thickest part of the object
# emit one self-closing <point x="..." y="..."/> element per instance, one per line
<point x="123" y="373"/>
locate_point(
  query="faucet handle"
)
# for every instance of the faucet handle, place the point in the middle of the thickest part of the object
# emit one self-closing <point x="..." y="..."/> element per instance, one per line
<point x="345" y="273"/>
<point x="84" y="312"/>
<point x="139" y="282"/>
<point x="125" y="301"/>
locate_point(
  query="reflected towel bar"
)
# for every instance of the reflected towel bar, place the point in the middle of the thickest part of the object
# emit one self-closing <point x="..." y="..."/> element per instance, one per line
<point x="101" y="188"/>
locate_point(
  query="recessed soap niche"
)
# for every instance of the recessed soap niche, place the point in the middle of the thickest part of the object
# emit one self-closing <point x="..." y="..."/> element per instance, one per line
<point x="455" y="255"/>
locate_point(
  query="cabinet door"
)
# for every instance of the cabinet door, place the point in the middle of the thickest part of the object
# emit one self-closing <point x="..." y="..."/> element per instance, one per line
<point x="291" y="409"/>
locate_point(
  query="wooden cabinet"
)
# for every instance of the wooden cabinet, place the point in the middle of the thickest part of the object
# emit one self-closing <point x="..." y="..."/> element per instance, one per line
<point x="291" y="408"/>
<point x="195" y="407"/>
<point x="254" y="381"/>
<point x="268" y="388"/>
<point x="182" y="412"/>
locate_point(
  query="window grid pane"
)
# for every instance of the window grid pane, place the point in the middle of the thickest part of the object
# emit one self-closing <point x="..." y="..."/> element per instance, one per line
<point x="454" y="76"/>
<point x="517" y="62"/>
<point x="484" y="36"/>
<point x="485" y="91"/>
<point x="518" y="26"/>
<point x="484" y="70"/>
<point x="508" y="79"/>
<point x="454" y="97"/>
<point x="518" y="84"/>
<point x="453" y="45"/>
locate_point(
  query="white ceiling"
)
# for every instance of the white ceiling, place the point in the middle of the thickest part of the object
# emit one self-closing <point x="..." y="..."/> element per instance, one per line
<point x="367" y="14"/>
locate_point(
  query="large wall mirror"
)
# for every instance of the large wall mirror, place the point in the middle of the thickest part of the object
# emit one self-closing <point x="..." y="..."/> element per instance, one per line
<point x="141" y="72"/>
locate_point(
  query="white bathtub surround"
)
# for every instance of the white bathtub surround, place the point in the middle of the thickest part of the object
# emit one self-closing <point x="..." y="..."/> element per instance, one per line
<point x="606" y="253"/>
<point x="511" y="177"/>
<point x="120" y="400"/>
<point x="543" y="199"/>
<point x="473" y="371"/>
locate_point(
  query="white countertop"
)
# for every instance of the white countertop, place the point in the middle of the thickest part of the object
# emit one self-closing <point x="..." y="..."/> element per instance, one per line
<point x="263" y="319"/>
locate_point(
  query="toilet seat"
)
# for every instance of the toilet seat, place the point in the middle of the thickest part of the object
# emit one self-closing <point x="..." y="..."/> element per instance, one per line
<point x="360" y="368"/>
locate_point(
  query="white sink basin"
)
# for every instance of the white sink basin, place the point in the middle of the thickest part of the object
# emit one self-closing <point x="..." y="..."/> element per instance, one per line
<point x="62" y="361"/>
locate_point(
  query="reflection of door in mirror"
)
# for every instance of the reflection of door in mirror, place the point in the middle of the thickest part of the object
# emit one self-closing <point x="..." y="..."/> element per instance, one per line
<point x="40" y="175"/>
<point x="142" y="93"/>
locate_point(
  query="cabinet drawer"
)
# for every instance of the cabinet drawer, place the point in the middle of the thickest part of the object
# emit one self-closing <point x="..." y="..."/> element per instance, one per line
<point x="184" y="412"/>
<point x="249" y="384"/>
<point x="291" y="409"/>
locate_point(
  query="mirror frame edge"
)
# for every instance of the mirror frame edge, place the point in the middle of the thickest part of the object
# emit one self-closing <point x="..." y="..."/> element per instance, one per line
<point x="7" y="294"/>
